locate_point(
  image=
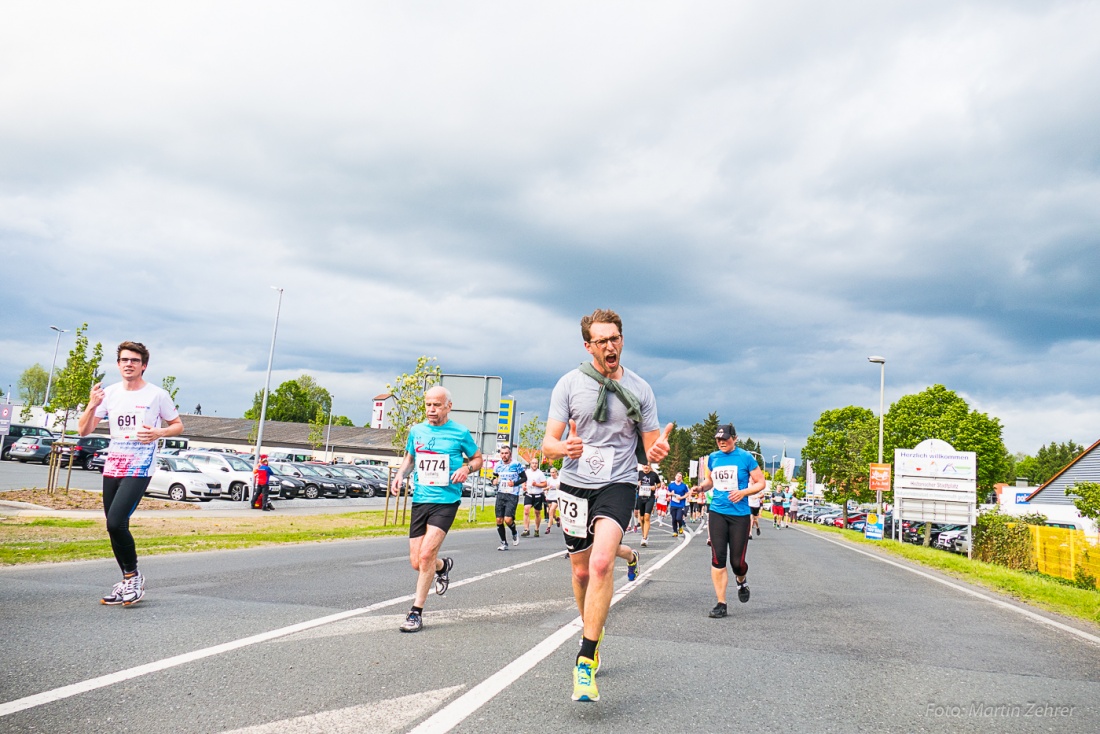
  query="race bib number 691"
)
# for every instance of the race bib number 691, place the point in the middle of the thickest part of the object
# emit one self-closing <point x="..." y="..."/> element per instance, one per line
<point x="126" y="425"/>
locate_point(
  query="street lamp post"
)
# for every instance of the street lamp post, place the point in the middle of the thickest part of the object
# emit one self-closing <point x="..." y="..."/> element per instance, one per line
<point x="49" y="382"/>
<point x="328" y="435"/>
<point x="267" y="382"/>
<point x="881" y="362"/>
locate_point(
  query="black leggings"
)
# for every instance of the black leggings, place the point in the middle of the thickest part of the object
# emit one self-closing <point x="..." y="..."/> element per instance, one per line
<point x="729" y="532"/>
<point x="677" y="518"/>
<point x="120" y="498"/>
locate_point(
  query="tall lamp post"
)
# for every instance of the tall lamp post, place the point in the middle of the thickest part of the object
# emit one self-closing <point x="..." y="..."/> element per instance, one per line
<point x="881" y="362"/>
<point x="267" y="382"/>
<point x="329" y="434"/>
<point x="49" y="382"/>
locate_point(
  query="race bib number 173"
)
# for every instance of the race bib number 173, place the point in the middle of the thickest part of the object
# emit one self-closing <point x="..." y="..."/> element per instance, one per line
<point x="574" y="514"/>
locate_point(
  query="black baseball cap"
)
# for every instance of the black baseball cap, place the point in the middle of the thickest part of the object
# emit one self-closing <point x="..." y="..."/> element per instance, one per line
<point x="725" y="432"/>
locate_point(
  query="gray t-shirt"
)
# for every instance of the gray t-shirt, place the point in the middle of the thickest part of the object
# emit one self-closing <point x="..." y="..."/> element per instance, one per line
<point x="574" y="398"/>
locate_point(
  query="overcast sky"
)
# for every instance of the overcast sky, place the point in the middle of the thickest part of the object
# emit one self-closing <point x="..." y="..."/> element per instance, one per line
<point x="766" y="192"/>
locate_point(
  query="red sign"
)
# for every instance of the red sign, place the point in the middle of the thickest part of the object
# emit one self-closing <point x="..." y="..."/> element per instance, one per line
<point x="880" y="477"/>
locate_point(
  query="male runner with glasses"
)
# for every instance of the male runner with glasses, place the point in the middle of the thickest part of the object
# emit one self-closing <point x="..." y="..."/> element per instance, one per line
<point x="611" y="414"/>
<point x="139" y="413"/>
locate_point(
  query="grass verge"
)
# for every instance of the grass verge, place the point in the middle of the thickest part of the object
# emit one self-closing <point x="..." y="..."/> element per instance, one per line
<point x="49" y="539"/>
<point x="1042" y="591"/>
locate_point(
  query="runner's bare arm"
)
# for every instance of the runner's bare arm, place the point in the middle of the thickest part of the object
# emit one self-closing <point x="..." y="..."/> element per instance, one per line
<point x="88" y="419"/>
<point x="656" y="443"/>
<point x="173" y="427"/>
<point x="554" y="448"/>
<point x="402" y="472"/>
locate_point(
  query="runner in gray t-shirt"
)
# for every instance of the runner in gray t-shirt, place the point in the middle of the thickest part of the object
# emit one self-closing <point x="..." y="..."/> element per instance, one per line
<point x="599" y="477"/>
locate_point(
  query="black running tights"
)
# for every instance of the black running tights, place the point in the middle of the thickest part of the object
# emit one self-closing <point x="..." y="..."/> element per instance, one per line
<point x="120" y="498"/>
<point x="729" y="533"/>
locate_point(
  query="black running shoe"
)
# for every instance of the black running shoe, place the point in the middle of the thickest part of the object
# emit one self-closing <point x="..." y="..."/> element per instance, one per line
<point x="742" y="593"/>
<point x="443" y="577"/>
<point x="718" y="612"/>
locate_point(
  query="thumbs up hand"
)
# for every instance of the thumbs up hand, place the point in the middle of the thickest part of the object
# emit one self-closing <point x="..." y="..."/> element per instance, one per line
<point x="660" y="448"/>
<point x="574" y="447"/>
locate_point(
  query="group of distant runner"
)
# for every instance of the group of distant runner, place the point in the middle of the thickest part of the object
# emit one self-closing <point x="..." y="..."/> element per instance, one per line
<point x="602" y="426"/>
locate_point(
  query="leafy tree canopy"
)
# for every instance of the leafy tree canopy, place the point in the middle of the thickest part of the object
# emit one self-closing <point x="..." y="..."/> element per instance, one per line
<point x="32" y="385"/>
<point x="842" y="446"/>
<point x="1050" y="460"/>
<point x="408" y="398"/>
<point x="1087" y="499"/>
<point x="294" y="401"/>
<point x="940" y="413"/>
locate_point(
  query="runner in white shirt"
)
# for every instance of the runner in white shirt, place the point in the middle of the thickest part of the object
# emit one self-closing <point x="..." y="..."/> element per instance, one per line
<point x="534" y="498"/>
<point x="754" y="510"/>
<point x="552" y="486"/>
<point x="139" y="414"/>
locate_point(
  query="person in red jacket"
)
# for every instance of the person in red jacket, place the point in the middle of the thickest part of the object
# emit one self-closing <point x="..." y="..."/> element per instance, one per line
<point x="260" y="500"/>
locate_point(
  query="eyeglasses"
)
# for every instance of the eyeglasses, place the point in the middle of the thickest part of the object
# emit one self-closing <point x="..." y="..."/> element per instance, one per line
<point x="131" y="360"/>
<point x="612" y="340"/>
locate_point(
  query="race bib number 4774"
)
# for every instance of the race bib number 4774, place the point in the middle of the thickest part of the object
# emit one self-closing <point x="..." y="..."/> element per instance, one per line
<point x="433" y="470"/>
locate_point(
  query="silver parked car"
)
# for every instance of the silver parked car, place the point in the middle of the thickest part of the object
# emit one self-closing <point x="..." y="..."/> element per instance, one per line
<point x="178" y="479"/>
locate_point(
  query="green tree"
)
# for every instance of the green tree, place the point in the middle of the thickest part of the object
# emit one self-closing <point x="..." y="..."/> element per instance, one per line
<point x="408" y="398"/>
<point x="169" y="385"/>
<point x="753" y="447"/>
<point x="702" y="436"/>
<point x="32" y="385"/>
<point x="843" y="444"/>
<point x="316" y="437"/>
<point x="294" y="401"/>
<point x="342" y="420"/>
<point x="1050" y="460"/>
<point x="74" y="382"/>
<point x="940" y="413"/>
<point x="1086" y="498"/>
<point x="531" y="434"/>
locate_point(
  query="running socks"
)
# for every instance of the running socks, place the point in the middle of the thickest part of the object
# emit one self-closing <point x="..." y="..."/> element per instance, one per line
<point x="500" y="532"/>
<point x="588" y="649"/>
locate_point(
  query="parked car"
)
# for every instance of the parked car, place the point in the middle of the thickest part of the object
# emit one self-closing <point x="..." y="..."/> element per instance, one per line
<point x="17" y="431"/>
<point x="962" y="542"/>
<point x="838" y="521"/>
<point x="178" y="479"/>
<point x="373" y="485"/>
<point x="316" y="483"/>
<point x="32" y="448"/>
<point x="289" y="485"/>
<point x="84" y="450"/>
<point x="946" y="539"/>
<point x="99" y="460"/>
<point x="357" y="485"/>
<point x="234" y="474"/>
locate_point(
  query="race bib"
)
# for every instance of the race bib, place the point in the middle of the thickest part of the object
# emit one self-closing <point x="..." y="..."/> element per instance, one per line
<point x="433" y="470"/>
<point x="724" y="478"/>
<point x="595" y="463"/>
<point x="126" y="425"/>
<point x="645" y="491"/>
<point x="574" y="514"/>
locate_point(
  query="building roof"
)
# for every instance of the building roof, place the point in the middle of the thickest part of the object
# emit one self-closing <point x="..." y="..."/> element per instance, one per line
<point x="289" y="435"/>
<point x="1085" y="468"/>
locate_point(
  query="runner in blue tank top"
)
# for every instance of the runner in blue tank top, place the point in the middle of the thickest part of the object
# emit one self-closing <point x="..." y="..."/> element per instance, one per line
<point x="734" y="475"/>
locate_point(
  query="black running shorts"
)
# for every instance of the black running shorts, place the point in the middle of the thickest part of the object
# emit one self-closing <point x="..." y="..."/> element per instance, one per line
<point x="431" y="513"/>
<point x="614" y="501"/>
<point x="644" y="505"/>
<point x="537" y="501"/>
<point x="506" y="505"/>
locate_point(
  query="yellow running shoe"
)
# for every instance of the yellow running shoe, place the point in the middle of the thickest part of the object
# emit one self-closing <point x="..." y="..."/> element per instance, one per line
<point x="584" y="681"/>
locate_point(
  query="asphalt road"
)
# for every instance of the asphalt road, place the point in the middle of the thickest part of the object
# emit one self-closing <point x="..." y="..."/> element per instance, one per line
<point x="832" y="640"/>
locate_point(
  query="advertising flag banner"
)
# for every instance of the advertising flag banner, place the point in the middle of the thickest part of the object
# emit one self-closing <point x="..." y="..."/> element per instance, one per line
<point x="880" y="477"/>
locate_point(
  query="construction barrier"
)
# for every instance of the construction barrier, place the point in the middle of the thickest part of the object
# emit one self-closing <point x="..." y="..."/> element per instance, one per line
<point x="1062" y="551"/>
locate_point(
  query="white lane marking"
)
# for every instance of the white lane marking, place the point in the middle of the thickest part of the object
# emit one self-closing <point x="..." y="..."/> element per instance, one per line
<point x="390" y="622"/>
<point x="381" y="717"/>
<point x="958" y="587"/>
<point x="457" y="711"/>
<point x="102" y="681"/>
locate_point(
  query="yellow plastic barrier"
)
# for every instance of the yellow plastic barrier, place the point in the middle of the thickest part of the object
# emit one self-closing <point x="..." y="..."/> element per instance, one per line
<point x="1061" y="551"/>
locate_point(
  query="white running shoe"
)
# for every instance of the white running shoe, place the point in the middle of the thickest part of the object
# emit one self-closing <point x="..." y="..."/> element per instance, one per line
<point x="133" y="589"/>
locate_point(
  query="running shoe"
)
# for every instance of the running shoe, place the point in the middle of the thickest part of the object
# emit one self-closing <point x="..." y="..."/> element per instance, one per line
<point x="719" y="611"/>
<point x="412" y="623"/>
<point x="536" y="532"/>
<point x="645" y="543"/>
<point x="742" y="592"/>
<point x="584" y="681"/>
<point x="503" y="545"/>
<point x="526" y="534"/>
<point x="133" y="589"/>
<point x="515" y="539"/>
<point x="547" y="531"/>
<point x="758" y="530"/>
<point x="632" y="566"/>
<point x="115" y="597"/>
<point x="443" y="577"/>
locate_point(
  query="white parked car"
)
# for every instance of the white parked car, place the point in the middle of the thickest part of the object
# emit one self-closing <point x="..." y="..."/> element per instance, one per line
<point x="234" y="473"/>
<point x="178" y="479"/>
